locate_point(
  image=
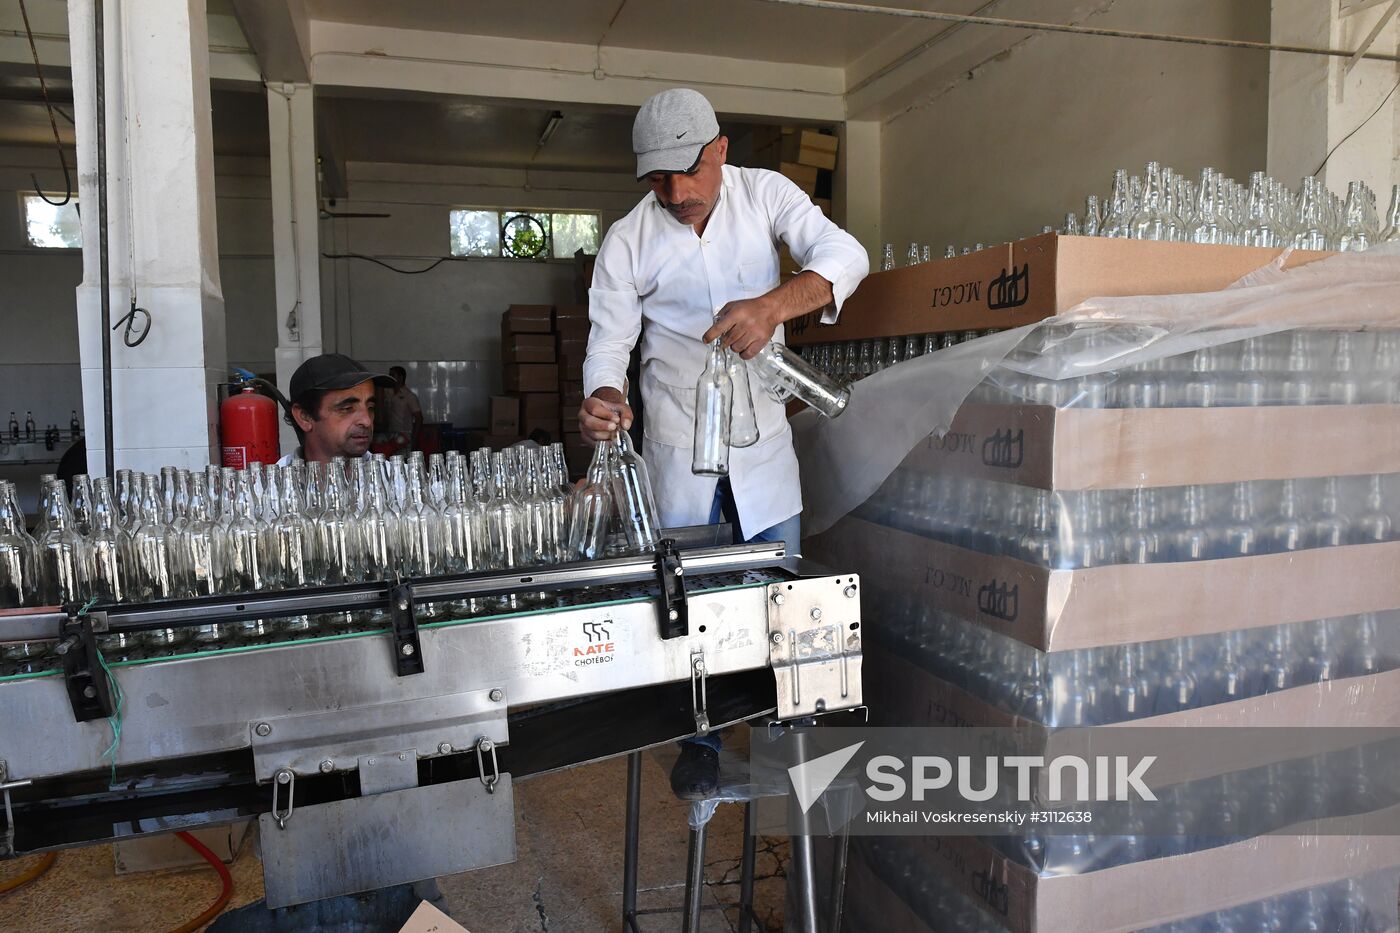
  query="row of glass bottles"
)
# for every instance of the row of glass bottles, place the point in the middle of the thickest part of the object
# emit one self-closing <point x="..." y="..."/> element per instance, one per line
<point x="1297" y="367"/>
<point x="1363" y="904"/>
<point x="1120" y="683"/>
<point x="267" y="528"/>
<point x="1162" y="204"/>
<point x="1068" y="530"/>
<point x="850" y="360"/>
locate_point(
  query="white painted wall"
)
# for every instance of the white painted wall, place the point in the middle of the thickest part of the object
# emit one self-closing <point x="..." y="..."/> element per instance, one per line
<point x="451" y="314"/>
<point x="1022" y="139"/>
<point x="38" y="319"/>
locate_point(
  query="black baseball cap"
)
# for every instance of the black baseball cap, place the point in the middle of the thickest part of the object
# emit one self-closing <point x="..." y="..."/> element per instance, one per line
<point x="331" y="371"/>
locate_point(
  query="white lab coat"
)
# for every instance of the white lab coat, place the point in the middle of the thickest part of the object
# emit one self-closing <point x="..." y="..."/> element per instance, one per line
<point x="655" y="269"/>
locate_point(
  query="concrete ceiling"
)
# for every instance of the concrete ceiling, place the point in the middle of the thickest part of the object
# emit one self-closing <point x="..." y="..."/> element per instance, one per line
<point x="746" y="29"/>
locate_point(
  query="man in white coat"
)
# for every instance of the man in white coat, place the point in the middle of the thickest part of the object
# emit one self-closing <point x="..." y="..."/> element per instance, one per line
<point x="697" y="261"/>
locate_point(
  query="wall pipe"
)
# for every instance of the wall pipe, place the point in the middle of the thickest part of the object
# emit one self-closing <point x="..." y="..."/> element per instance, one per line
<point x="104" y="274"/>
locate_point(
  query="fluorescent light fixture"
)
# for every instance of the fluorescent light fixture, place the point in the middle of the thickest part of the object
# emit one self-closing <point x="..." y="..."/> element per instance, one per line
<point x="555" y="119"/>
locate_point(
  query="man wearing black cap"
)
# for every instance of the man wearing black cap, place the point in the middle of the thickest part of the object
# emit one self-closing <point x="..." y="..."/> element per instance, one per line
<point x="333" y="399"/>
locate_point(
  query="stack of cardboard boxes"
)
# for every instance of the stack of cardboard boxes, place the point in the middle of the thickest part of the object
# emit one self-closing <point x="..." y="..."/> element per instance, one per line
<point x="542" y="351"/>
<point x="571" y="332"/>
<point x="980" y="626"/>
<point x="806" y="156"/>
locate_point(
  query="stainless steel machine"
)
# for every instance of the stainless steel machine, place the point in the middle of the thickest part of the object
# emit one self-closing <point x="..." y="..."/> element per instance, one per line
<point x="386" y="754"/>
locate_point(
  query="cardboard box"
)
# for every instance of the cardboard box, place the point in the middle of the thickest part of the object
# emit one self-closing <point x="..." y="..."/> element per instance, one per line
<point x="571" y="357"/>
<point x="570" y="396"/>
<point x="505" y="415"/>
<point x="804" y="176"/>
<point x="539" y="405"/>
<point x="809" y="147"/>
<point x="1023" y="282"/>
<point x="1059" y="610"/>
<point x="531" y="377"/>
<point x="577" y="312"/>
<point x="1121" y="448"/>
<point x="527" y="319"/>
<point x="824" y="204"/>
<point x="549" y="426"/>
<point x="572" y="328"/>
<point x="1157" y="891"/>
<point x="527" y="348"/>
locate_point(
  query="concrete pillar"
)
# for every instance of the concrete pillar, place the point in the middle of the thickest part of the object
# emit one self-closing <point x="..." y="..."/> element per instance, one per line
<point x="1314" y="101"/>
<point x="856" y="194"/>
<point x="162" y="241"/>
<point x="295" y="231"/>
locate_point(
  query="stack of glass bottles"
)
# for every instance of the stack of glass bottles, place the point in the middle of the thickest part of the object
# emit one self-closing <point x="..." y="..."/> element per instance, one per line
<point x="1164" y="204"/>
<point x="224" y="532"/>
<point x="1361" y="904"/>
<point x="850" y="360"/>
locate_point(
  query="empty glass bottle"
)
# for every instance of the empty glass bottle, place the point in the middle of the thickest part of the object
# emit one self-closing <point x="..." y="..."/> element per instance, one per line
<point x="743" y="422"/>
<point x="632" y="495"/>
<point x="18" y="585"/>
<point x="784" y="374"/>
<point x="592" y="509"/>
<point x="714" y="394"/>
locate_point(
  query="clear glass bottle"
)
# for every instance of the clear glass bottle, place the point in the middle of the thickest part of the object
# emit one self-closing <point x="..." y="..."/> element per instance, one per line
<point x="911" y="258"/>
<point x="1117" y="217"/>
<point x="294" y="549"/>
<point x="200" y="542"/>
<point x="785" y="374"/>
<point x="378" y="527"/>
<point x="743" y="422"/>
<point x="1391" y="231"/>
<point x="633" y="496"/>
<point x="18" y="583"/>
<point x="1374" y="524"/>
<point x="503" y="518"/>
<point x="151" y="546"/>
<point x="338" y="541"/>
<point x="592" y="509"/>
<point x="887" y="262"/>
<point x="713" y="407"/>
<point x="81" y="504"/>
<point x="420" y="528"/>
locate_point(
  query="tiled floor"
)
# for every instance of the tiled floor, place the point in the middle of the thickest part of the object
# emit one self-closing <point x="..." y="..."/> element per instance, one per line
<point x="567" y="877"/>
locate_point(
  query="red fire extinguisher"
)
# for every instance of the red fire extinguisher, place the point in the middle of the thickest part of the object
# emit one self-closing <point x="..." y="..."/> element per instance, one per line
<point x="248" y="423"/>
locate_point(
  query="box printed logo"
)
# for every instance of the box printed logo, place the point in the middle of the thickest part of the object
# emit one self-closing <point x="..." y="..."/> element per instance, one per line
<point x="1011" y="289"/>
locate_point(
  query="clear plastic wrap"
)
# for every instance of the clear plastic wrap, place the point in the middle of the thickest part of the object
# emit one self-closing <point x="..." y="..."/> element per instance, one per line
<point x="1361" y="904"/>
<point x="1122" y="683"/>
<point x="1070" y="530"/>
<point x="1096" y="344"/>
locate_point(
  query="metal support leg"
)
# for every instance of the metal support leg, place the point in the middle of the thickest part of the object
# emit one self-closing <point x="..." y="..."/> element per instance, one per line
<point x="629" y="855"/>
<point x="695" y="880"/>
<point x="803" y="866"/>
<point x="746" y="869"/>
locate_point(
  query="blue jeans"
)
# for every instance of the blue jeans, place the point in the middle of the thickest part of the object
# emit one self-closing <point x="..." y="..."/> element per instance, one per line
<point x="789" y="531"/>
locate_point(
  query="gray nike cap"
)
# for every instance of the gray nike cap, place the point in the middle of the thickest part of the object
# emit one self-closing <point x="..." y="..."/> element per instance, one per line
<point x="671" y="129"/>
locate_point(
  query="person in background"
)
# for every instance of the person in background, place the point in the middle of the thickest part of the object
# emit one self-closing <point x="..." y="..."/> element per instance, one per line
<point x="333" y="399"/>
<point x="697" y="261"/>
<point x="400" y="413"/>
<point x="538" y="438"/>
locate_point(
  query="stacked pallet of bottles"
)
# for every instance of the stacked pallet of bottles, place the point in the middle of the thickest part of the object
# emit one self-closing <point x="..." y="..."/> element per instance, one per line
<point x="1208" y="539"/>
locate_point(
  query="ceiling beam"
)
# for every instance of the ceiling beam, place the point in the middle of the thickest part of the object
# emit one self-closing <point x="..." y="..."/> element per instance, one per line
<point x="349" y="55"/>
<point x="279" y="34"/>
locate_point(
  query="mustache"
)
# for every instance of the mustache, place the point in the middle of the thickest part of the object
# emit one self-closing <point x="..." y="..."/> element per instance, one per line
<point x="685" y="205"/>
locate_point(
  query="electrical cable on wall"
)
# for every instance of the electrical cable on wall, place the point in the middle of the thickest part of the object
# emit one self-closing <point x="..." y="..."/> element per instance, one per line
<point x="1358" y="128"/>
<point x="379" y="262"/>
<point x="53" y="124"/>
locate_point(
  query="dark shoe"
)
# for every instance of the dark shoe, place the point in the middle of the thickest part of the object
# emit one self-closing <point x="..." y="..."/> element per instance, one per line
<point x="695" y="775"/>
